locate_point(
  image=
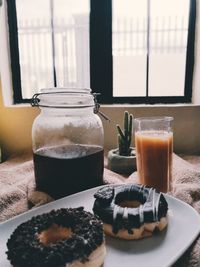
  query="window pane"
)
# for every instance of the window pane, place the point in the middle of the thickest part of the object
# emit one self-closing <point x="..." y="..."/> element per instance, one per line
<point x="53" y="32"/>
<point x="129" y="33"/>
<point x="71" y="19"/>
<point x="35" y="46"/>
<point x="168" y="43"/>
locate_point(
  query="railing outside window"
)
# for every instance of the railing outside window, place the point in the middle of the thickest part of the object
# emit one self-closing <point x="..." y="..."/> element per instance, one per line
<point x="72" y="39"/>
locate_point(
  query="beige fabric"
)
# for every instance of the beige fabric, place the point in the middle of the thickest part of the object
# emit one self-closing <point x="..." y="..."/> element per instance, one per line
<point x="17" y="193"/>
<point x="17" y="186"/>
<point x="16" y="181"/>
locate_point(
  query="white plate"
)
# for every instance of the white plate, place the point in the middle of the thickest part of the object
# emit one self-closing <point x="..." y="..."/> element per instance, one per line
<point x="161" y="250"/>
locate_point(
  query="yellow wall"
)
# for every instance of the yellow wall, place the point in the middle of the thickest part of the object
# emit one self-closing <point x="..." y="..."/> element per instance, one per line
<point x="15" y="128"/>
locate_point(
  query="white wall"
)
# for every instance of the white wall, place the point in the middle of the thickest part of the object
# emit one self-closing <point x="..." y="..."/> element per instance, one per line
<point x="186" y="124"/>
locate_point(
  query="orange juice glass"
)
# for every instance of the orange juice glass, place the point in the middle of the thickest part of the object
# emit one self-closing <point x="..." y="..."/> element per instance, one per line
<point x="154" y="148"/>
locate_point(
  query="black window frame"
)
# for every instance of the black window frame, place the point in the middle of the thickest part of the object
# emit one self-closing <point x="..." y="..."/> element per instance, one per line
<point x="101" y="62"/>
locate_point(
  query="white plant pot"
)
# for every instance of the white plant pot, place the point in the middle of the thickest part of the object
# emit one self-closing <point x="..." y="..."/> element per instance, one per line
<point x="121" y="164"/>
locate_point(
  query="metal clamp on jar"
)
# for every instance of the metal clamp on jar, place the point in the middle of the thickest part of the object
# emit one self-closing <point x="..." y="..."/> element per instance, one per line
<point x="67" y="141"/>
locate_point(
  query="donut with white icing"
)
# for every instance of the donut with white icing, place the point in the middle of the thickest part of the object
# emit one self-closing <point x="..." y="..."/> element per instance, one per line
<point x="60" y="238"/>
<point x="131" y="211"/>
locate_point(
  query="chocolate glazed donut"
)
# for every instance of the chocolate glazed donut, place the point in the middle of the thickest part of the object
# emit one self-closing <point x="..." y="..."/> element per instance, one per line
<point x="131" y="211"/>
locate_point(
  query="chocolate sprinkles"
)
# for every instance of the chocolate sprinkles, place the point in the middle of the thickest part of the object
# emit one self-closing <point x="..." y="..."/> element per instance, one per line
<point x="26" y="250"/>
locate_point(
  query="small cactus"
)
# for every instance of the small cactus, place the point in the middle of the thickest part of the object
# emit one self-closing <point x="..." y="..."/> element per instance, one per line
<point x="125" y="136"/>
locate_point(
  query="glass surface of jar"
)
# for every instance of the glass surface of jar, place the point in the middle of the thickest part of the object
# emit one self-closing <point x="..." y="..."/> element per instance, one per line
<point x="67" y="139"/>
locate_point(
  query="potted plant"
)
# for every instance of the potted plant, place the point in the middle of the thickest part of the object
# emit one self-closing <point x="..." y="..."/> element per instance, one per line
<point x="123" y="159"/>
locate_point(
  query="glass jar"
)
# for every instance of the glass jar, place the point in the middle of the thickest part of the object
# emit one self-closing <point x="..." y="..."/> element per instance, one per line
<point x="67" y="139"/>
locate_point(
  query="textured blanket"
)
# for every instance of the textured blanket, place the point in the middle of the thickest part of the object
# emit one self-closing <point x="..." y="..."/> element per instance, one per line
<point x="17" y="193"/>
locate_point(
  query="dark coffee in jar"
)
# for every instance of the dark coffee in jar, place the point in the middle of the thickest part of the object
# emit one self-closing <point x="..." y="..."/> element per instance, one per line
<point x="64" y="170"/>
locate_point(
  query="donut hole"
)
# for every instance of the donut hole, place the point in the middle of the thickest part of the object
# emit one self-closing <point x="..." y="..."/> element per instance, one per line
<point x="54" y="234"/>
<point x="128" y="199"/>
<point x="129" y="204"/>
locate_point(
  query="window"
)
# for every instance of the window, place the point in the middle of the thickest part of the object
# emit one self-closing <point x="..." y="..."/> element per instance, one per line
<point x="130" y="51"/>
<point x="49" y="42"/>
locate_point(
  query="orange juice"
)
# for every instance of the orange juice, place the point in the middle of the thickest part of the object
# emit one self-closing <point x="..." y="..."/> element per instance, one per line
<point x="154" y="158"/>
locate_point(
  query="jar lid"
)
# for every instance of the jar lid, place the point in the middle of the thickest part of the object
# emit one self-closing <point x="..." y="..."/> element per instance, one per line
<point x="64" y="98"/>
<point x="58" y="97"/>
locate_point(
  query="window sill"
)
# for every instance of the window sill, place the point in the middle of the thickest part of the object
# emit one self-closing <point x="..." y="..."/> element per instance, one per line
<point x="119" y="106"/>
<point x="149" y="105"/>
